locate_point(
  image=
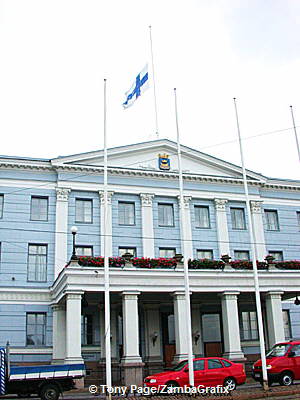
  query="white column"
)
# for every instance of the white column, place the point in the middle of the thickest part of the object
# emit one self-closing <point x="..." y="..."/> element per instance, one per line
<point x="197" y="331"/>
<point x="231" y="328"/>
<point x="222" y="227"/>
<point x="147" y="224"/>
<point x="258" y="228"/>
<point x="131" y="328"/>
<point x="59" y="334"/>
<point x="108" y="224"/>
<point x="153" y="333"/>
<point x="73" y="328"/>
<point x="187" y="229"/>
<point x="274" y="318"/>
<point x="180" y="322"/>
<point x="61" y="230"/>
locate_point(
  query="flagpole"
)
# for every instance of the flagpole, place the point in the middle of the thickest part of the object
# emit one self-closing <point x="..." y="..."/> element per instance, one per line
<point x="154" y="87"/>
<point x="296" y="136"/>
<point x="254" y="259"/>
<point x="185" y="260"/>
<point x="106" y="263"/>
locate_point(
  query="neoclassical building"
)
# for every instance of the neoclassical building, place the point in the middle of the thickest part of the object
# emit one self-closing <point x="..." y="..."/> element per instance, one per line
<point x="53" y="311"/>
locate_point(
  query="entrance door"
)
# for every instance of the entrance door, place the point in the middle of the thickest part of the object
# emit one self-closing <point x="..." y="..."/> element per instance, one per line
<point x="212" y="338"/>
<point x="168" y="338"/>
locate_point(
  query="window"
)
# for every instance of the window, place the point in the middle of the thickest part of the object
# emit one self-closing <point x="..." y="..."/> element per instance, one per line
<point x="238" y="218"/>
<point x="126" y="213"/>
<point x="84" y="251"/>
<point x="286" y="324"/>
<point x="278" y="255"/>
<point x="84" y="211"/>
<point x="39" y="208"/>
<point x="166" y="253"/>
<point x="165" y="215"/>
<point x="37" y="263"/>
<point x="1" y="205"/>
<point x="272" y="220"/>
<point x="205" y="254"/>
<point x="35" y="329"/>
<point x="123" y="250"/>
<point x="296" y="349"/>
<point x="249" y="329"/>
<point x="87" y="330"/>
<point x="226" y="363"/>
<point x="202" y="219"/>
<point x="212" y="364"/>
<point x="298" y="218"/>
<point x="198" y="365"/>
<point x="241" y="255"/>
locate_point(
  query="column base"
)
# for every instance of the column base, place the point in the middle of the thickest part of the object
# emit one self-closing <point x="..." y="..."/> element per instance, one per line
<point x="235" y="356"/>
<point x="132" y="372"/>
<point x="58" y="361"/>
<point x="73" y="360"/>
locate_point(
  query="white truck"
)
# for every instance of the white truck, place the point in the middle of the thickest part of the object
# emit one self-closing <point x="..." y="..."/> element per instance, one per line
<point x="47" y="381"/>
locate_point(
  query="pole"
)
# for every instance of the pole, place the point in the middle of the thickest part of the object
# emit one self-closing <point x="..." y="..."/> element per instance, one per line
<point x="185" y="260"/>
<point x="254" y="258"/>
<point x="154" y="87"/>
<point x="296" y="136"/>
<point x="106" y="265"/>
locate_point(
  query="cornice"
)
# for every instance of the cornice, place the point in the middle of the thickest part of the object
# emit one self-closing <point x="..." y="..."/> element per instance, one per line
<point x="149" y="174"/>
<point x="25" y="295"/>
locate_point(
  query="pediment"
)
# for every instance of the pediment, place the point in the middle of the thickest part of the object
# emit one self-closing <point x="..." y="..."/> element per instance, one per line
<point x="145" y="156"/>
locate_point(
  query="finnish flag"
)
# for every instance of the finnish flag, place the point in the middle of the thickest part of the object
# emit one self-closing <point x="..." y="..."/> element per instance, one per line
<point x="138" y="87"/>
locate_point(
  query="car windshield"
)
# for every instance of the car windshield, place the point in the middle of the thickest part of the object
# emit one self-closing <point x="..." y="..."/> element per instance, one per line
<point x="278" y="351"/>
<point x="179" y="366"/>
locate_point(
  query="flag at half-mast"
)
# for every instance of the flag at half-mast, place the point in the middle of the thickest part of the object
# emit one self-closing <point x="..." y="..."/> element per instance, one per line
<point x="139" y="86"/>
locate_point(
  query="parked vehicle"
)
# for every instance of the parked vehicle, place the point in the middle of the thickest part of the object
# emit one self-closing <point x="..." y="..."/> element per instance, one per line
<point x="283" y="364"/>
<point x="208" y="371"/>
<point x="47" y="381"/>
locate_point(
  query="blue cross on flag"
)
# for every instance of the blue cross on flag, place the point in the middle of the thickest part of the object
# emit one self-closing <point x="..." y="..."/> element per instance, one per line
<point x="139" y="86"/>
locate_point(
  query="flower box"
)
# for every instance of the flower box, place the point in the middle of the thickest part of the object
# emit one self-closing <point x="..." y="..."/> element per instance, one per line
<point x="205" y="263"/>
<point x="152" y="263"/>
<point x="114" y="262"/>
<point x="292" y="264"/>
<point x="247" y="265"/>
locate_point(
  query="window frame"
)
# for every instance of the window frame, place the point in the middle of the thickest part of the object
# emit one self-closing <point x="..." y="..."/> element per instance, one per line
<point x="205" y="250"/>
<point x="123" y="202"/>
<point x="233" y="218"/>
<point x="127" y="248"/>
<point x="250" y="330"/>
<point x="83" y="199"/>
<point x="287" y="312"/>
<point x="269" y="211"/>
<point x="85" y="333"/>
<point x="159" y="204"/>
<point x="166" y="248"/>
<point x="47" y="208"/>
<point x="298" y="219"/>
<point x="46" y="263"/>
<point x="203" y="207"/>
<point x="84" y="247"/>
<point x="241" y="251"/>
<point x="44" y="328"/>
<point x="1" y="205"/>
<point x="272" y="252"/>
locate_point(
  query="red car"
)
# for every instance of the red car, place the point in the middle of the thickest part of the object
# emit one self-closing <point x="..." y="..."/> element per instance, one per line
<point x="283" y="364"/>
<point x="209" y="372"/>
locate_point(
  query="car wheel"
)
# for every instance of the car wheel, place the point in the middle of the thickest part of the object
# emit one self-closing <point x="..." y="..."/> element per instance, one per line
<point x="230" y="383"/>
<point x="286" y="379"/>
<point x="50" y="392"/>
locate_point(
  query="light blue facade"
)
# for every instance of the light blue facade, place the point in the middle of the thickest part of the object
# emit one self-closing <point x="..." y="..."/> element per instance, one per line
<point x="18" y="231"/>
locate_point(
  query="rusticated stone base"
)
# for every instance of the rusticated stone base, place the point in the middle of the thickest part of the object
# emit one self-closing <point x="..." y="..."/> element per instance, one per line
<point x="132" y="373"/>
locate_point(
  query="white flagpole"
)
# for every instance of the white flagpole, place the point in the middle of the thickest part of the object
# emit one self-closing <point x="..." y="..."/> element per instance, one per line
<point x="154" y="87"/>
<point x="296" y="136"/>
<point x="254" y="258"/>
<point x="106" y="264"/>
<point x="185" y="260"/>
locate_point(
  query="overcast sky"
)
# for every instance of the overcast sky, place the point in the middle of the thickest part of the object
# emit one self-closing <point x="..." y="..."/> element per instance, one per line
<point x="55" y="54"/>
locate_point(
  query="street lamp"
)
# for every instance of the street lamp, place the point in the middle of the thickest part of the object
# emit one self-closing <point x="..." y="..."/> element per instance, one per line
<point x="74" y="230"/>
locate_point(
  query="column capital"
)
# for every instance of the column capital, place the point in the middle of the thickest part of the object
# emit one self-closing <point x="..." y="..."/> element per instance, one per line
<point x="186" y="201"/>
<point x="74" y="295"/>
<point x="62" y="194"/>
<point x="179" y="295"/>
<point x="57" y="307"/>
<point x="220" y="204"/>
<point x="274" y="294"/>
<point x="256" y="206"/>
<point x="109" y="196"/>
<point x="146" y="199"/>
<point x="130" y="295"/>
<point x="229" y="295"/>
